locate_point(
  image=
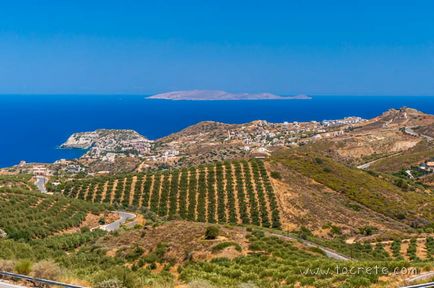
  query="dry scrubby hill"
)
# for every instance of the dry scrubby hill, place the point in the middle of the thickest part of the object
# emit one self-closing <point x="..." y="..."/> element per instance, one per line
<point x="426" y="130"/>
<point x="229" y="192"/>
<point x="421" y="152"/>
<point x="379" y="137"/>
<point x="323" y="190"/>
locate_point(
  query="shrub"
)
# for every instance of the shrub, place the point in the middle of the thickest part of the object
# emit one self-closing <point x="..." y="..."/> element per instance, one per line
<point x="304" y="232"/>
<point x="275" y="175"/>
<point x="367" y="230"/>
<point x="101" y="221"/>
<point x="212" y="232"/>
<point x="111" y="283"/>
<point x="7" y="266"/>
<point x="221" y="246"/>
<point x="200" y="284"/>
<point x="46" y="270"/>
<point x="118" y="275"/>
<point x="84" y="229"/>
<point x="23" y="267"/>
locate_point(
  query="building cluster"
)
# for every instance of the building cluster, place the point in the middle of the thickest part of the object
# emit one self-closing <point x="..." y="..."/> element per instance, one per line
<point x="109" y="148"/>
<point x="215" y="140"/>
<point x="427" y="166"/>
<point x="265" y="134"/>
<point x="339" y="122"/>
<point x="421" y="169"/>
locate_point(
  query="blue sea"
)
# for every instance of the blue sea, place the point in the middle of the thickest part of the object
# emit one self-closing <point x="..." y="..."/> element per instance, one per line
<point x="32" y="127"/>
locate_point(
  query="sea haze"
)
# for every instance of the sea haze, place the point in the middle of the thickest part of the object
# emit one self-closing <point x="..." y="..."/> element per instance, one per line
<point x="32" y="127"/>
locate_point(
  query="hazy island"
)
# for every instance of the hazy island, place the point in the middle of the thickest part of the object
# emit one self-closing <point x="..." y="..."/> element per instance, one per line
<point x="198" y="95"/>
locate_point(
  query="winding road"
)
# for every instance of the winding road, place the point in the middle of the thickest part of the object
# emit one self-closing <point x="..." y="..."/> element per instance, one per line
<point x="420" y="277"/>
<point x="328" y="252"/>
<point x="410" y="131"/>
<point x="124" y="217"/>
<point x="40" y="183"/>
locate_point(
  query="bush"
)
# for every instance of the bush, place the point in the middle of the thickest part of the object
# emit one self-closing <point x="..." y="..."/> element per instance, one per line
<point x="212" y="232"/>
<point x="7" y="266"/>
<point x="23" y="267"/>
<point x="221" y="246"/>
<point x="275" y="175"/>
<point x="46" y="270"/>
<point x="112" y="283"/>
<point x="120" y="276"/>
<point x="200" y="284"/>
<point x="84" y="229"/>
<point x="304" y="232"/>
<point x="367" y="230"/>
<point x="101" y="221"/>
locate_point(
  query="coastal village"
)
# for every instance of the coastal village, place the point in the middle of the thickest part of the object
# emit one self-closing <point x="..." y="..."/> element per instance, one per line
<point x="255" y="139"/>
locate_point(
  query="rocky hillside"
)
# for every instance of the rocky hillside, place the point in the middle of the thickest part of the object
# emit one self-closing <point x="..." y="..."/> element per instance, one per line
<point x="315" y="191"/>
<point x="382" y="136"/>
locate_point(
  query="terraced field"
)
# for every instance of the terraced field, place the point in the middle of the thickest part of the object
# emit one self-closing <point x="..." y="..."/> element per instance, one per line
<point x="28" y="215"/>
<point x="408" y="249"/>
<point x="23" y="181"/>
<point x="229" y="192"/>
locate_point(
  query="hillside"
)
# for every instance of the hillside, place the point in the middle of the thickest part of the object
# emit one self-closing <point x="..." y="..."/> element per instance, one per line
<point x="307" y="203"/>
<point x="403" y="117"/>
<point x="305" y="194"/>
<point x="23" y="181"/>
<point x="178" y="254"/>
<point x="230" y="192"/>
<point x="382" y="136"/>
<point x="427" y="130"/>
<point x="354" y="189"/>
<point x="423" y="151"/>
<point x="29" y="215"/>
<point x="309" y="191"/>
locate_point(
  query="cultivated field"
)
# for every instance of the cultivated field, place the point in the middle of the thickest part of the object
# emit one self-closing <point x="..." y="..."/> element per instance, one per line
<point x="27" y="215"/>
<point x="229" y="192"/>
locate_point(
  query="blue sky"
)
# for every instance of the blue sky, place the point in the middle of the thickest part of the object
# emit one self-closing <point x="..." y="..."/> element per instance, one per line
<point x="285" y="47"/>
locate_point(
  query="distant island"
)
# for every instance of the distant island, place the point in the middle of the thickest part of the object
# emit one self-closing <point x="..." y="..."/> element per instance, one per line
<point x="200" y="95"/>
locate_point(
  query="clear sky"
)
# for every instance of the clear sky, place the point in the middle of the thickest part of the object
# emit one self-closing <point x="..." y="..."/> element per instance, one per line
<point x="347" y="47"/>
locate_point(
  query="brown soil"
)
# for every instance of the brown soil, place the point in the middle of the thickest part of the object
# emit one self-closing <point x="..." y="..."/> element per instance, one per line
<point x="92" y="221"/>
<point x="305" y="202"/>
<point x="184" y="239"/>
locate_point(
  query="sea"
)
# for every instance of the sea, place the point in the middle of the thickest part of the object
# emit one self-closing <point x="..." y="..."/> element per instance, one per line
<point x="33" y="126"/>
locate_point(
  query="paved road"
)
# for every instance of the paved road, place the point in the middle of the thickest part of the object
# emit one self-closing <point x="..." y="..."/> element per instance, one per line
<point x="40" y="183"/>
<point x="410" y="131"/>
<point x="367" y="165"/>
<point x="420" y="277"/>
<point x="8" y="285"/>
<point x="426" y="285"/>
<point x="124" y="217"/>
<point x="329" y="253"/>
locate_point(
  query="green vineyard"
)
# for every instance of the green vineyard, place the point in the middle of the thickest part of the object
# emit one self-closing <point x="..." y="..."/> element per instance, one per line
<point x="28" y="215"/>
<point x="228" y="192"/>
